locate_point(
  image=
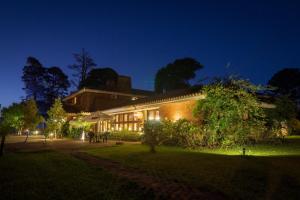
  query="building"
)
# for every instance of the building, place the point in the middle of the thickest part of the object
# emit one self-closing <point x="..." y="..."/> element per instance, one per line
<point x="122" y="108"/>
<point x="128" y="110"/>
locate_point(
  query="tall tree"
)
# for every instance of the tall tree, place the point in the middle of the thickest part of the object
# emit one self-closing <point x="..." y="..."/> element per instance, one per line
<point x="57" y="84"/>
<point x="43" y="84"/>
<point x="176" y="75"/>
<point x="84" y="64"/>
<point x="56" y="118"/>
<point x="287" y="82"/>
<point x="31" y="117"/>
<point x="33" y="75"/>
<point x="101" y="78"/>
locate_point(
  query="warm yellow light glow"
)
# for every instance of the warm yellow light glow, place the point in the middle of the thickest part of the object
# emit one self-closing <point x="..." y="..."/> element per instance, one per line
<point x="138" y="114"/>
<point x="157" y="118"/>
<point x="177" y="116"/>
<point x="83" y="136"/>
<point x="151" y="117"/>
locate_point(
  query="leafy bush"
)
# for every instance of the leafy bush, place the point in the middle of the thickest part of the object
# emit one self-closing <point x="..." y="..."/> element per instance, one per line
<point x="75" y="133"/>
<point x="182" y="133"/>
<point x="125" y="135"/>
<point x="154" y="134"/>
<point x="232" y="113"/>
<point x="295" y="126"/>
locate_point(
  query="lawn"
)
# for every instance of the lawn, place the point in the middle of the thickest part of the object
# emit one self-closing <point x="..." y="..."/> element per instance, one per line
<point x="52" y="175"/>
<point x="269" y="172"/>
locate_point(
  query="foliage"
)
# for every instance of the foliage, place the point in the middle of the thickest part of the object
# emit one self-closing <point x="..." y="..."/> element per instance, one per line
<point x="101" y="78"/>
<point x="176" y="75"/>
<point x="125" y="135"/>
<point x="31" y="117"/>
<point x="57" y="84"/>
<point x="43" y="84"/>
<point x="287" y="82"/>
<point x="279" y="119"/>
<point x="187" y="134"/>
<point x="84" y="64"/>
<point x="295" y="126"/>
<point x="80" y="122"/>
<point x="154" y="134"/>
<point x="33" y="74"/>
<point x="14" y="115"/>
<point x="232" y="113"/>
<point x="75" y="133"/>
<point x="56" y="118"/>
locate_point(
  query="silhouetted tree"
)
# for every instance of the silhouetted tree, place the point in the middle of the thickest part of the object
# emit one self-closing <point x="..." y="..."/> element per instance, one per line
<point x="33" y="75"/>
<point x="56" y="83"/>
<point x="176" y="75"/>
<point x="84" y="64"/>
<point x="101" y="78"/>
<point x="43" y="84"/>
<point x="287" y="82"/>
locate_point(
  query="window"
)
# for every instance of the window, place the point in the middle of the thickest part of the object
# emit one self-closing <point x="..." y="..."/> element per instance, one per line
<point x="125" y="117"/>
<point x="121" y="118"/>
<point x="130" y="117"/>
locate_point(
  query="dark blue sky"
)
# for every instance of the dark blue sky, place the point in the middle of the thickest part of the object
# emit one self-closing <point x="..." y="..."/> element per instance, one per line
<point x="138" y="37"/>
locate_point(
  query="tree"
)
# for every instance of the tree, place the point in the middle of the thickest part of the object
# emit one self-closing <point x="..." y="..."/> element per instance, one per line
<point x="176" y="75"/>
<point x="232" y="113"/>
<point x="6" y="125"/>
<point x="43" y="84"/>
<point x="33" y="75"/>
<point x="57" y="84"/>
<point x="31" y="116"/>
<point x="283" y="115"/>
<point x="287" y="82"/>
<point x="56" y="118"/>
<point x="84" y="64"/>
<point x="14" y="114"/>
<point x="101" y="78"/>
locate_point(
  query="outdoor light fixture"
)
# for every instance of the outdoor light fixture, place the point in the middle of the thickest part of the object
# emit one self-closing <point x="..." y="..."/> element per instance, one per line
<point x="83" y="136"/>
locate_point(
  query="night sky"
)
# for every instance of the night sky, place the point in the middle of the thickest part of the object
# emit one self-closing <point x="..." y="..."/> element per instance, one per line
<point x="251" y="38"/>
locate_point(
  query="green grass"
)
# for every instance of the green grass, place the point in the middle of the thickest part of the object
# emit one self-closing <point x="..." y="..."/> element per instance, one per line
<point x="51" y="175"/>
<point x="273" y="171"/>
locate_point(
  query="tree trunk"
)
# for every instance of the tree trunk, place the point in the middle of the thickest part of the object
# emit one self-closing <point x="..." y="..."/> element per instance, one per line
<point x="152" y="149"/>
<point x="2" y="145"/>
<point x="27" y="134"/>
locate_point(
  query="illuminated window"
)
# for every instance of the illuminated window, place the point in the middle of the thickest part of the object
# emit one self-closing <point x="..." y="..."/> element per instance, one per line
<point x="130" y="126"/>
<point x="130" y="117"/>
<point x="125" y="126"/>
<point x="135" y="127"/>
<point x="125" y="117"/>
<point x="121" y="117"/>
<point x="117" y="118"/>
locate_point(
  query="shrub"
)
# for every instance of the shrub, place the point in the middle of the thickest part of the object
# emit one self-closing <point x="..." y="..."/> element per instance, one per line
<point x="75" y="133"/>
<point x="182" y="133"/>
<point x="125" y="135"/>
<point x="154" y="134"/>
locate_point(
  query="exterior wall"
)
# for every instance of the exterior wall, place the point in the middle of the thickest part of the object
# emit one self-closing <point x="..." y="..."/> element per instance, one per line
<point x="89" y="101"/>
<point x="175" y="111"/>
<point x="134" y="121"/>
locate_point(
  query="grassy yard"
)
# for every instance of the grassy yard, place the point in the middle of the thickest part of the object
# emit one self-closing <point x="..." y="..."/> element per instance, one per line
<point x="269" y="172"/>
<point x="52" y="175"/>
